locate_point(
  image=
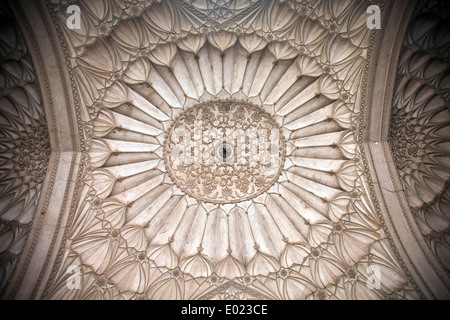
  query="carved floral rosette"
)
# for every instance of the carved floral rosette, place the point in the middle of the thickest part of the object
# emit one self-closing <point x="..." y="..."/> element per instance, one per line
<point x="420" y="124"/>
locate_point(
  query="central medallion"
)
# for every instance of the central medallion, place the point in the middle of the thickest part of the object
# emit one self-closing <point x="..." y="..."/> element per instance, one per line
<point x="224" y="151"/>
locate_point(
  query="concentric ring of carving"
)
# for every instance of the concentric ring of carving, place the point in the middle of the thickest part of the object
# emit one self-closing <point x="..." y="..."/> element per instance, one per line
<point x="196" y="166"/>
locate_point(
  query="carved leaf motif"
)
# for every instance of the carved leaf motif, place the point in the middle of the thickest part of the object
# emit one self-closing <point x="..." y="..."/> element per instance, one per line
<point x="25" y="151"/>
<point x="352" y="242"/>
<point x="192" y="43"/>
<point x="104" y="123"/>
<point x="85" y="219"/>
<point x="325" y="269"/>
<point x="135" y="237"/>
<point x="342" y="115"/>
<point x="130" y="273"/>
<point x="103" y="182"/>
<point x="99" y="152"/>
<point x="319" y="232"/>
<point x="338" y="53"/>
<point x="348" y="145"/>
<point x="356" y="27"/>
<point x="383" y="258"/>
<point x="138" y="71"/>
<point x="99" y="9"/>
<point x="167" y="287"/>
<point x="163" y="54"/>
<point x="365" y="212"/>
<point x="282" y="51"/>
<point x="262" y="264"/>
<point x="279" y="17"/>
<point x="130" y="35"/>
<point x="347" y="176"/>
<point x="6" y="237"/>
<point x="296" y="221"/>
<point x="310" y="34"/>
<point x="161" y="18"/>
<point x="328" y="87"/>
<point x="102" y="58"/>
<point x="339" y="206"/>
<point x="163" y="255"/>
<point x="114" y="212"/>
<point x="59" y="287"/>
<point x="333" y="10"/>
<point x="97" y="288"/>
<point x="308" y="67"/>
<point x="293" y="254"/>
<point x="115" y="96"/>
<point x="295" y="286"/>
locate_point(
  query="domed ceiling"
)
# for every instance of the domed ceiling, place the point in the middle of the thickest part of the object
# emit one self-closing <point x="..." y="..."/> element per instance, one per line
<point x="230" y="149"/>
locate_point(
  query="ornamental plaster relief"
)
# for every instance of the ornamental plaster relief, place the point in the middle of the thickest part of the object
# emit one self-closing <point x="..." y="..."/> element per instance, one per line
<point x="149" y="216"/>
